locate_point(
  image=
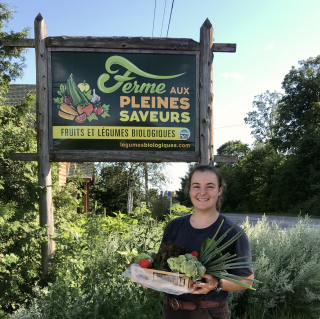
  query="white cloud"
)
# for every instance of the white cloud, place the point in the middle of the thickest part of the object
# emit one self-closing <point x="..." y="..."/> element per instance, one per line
<point x="270" y="46"/>
<point x="234" y="75"/>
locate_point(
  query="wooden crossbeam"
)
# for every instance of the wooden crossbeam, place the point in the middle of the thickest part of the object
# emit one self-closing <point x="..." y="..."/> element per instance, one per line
<point x="97" y="156"/>
<point x="121" y="43"/>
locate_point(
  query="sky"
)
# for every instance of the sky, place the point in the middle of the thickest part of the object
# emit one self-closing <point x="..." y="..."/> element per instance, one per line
<point x="271" y="37"/>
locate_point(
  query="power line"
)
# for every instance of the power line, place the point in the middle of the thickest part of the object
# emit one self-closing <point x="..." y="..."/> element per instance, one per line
<point x="154" y="14"/>
<point x="170" y="18"/>
<point x="165" y="4"/>
<point x="229" y="126"/>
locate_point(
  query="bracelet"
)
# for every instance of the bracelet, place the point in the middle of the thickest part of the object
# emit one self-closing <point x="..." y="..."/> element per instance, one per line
<point x="219" y="286"/>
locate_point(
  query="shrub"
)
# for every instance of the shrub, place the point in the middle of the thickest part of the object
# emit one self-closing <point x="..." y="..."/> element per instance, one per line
<point x="288" y="264"/>
<point x="89" y="266"/>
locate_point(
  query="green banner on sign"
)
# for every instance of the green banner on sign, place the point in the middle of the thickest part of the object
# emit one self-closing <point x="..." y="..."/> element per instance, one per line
<point x="116" y="101"/>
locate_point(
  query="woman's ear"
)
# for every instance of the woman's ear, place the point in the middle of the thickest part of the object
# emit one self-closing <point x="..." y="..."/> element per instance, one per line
<point x="220" y="191"/>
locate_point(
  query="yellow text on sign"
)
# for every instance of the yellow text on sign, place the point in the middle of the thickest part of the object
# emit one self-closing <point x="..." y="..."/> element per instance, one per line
<point x="116" y="132"/>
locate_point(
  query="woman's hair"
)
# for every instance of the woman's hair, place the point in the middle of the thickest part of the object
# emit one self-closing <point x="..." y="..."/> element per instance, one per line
<point x="216" y="171"/>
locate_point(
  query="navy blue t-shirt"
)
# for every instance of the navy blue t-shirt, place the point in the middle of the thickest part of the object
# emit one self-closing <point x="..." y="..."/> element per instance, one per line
<point x="180" y="232"/>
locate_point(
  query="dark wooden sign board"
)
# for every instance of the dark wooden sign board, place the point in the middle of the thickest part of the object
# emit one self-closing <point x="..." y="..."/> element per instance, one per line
<point x="204" y="119"/>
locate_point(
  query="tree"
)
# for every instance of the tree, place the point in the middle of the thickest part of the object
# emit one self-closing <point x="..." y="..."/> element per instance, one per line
<point x="264" y="118"/>
<point x="299" y="110"/>
<point x="11" y="58"/>
<point x="119" y="186"/>
<point x="183" y="194"/>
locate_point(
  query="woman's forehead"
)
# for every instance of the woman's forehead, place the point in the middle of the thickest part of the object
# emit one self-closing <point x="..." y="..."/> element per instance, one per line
<point x="205" y="177"/>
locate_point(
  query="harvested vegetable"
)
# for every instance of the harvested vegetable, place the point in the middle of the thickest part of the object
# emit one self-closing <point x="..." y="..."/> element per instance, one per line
<point x="188" y="265"/>
<point x="166" y="251"/>
<point x="217" y="264"/>
<point x="145" y="263"/>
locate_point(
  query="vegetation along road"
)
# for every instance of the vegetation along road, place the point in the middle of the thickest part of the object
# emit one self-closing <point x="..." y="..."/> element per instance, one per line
<point x="285" y="221"/>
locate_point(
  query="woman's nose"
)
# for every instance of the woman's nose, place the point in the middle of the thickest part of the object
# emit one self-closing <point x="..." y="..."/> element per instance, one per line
<point x="202" y="190"/>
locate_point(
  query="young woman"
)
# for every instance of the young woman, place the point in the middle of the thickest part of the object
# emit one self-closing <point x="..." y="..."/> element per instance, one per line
<point x="209" y="299"/>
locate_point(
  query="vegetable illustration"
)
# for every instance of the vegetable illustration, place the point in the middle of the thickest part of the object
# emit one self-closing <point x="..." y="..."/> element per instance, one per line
<point x="67" y="100"/>
<point x="76" y="103"/>
<point x="66" y="116"/>
<point x="68" y="109"/>
<point x="75" y="93"/>
<point x="98" y="110"/>
<point x="95" y="98"/>
<point x="87" y="109"/>
<point x="145" y="263"/>
<point x="81" y="118"/>
<point x="84" y="87"/>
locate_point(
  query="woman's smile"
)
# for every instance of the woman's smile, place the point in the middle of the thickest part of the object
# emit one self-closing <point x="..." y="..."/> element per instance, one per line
<point x="204" y="191"/>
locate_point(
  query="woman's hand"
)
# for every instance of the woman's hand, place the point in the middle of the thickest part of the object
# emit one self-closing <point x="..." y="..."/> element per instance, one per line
<point x="204" y="287"/>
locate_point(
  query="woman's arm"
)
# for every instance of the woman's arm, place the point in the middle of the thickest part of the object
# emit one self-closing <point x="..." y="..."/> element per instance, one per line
<point x="212" y="282"/>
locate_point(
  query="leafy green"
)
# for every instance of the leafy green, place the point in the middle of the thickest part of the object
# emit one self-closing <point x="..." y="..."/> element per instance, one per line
<point x="217" y="264"/>
<point x="92" y="116"/>
<point x="106" y="109"/>
<point x="88" y="94"/>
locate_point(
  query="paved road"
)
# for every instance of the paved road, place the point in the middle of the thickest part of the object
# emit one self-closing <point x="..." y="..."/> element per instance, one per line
<point x="285" y="221"/>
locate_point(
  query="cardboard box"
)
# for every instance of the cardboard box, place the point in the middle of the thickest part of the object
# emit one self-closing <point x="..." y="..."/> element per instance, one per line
<point x="171" y="277"/>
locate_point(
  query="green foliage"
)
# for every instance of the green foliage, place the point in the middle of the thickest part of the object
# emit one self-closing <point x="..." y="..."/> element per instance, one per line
<point x="288" y="264"/>
<point x="20" y="240"/>
<point x="264" y="118"/>
<point x="88" y="267"/>
<point x="183" y="193"/>
<point x="299" y="108"/>
<point x="111" y="187"/>
<point x="161" y="208"/>
<point x="12" y="58"/>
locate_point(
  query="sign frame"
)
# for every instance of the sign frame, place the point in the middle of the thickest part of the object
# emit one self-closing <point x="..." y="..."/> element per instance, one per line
<point x="126" y="155"/>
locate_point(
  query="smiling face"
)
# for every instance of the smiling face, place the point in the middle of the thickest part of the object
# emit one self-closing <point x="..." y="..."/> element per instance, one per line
<point x="204" y="191"/>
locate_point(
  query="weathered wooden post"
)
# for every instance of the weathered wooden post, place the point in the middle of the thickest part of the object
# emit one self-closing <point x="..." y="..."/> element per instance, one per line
<point x="44" y="168"/>
<point x="206" y="95"/>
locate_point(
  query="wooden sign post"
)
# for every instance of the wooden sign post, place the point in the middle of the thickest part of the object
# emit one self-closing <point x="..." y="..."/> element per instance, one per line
<point x="206" y="95"/>
<point x="175" y="52"/>
<point x="44" y="168"/>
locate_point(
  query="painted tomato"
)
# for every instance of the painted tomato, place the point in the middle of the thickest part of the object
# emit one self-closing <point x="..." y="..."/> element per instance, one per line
<point x="98" y="110"/>
<point x="81" y="118"/>
<point x="87" y="109"/>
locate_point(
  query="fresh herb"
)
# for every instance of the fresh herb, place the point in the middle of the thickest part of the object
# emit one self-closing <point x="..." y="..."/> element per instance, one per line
<point x="106" y="109"/>
<point x="92" y="116"/>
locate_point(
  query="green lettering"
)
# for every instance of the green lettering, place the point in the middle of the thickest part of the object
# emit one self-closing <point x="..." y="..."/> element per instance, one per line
<point x="127" y="88"/>
<point x="161" y="88"/>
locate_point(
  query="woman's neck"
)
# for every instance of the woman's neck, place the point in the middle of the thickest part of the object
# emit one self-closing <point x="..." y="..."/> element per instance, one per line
<point x="203" y="219"/>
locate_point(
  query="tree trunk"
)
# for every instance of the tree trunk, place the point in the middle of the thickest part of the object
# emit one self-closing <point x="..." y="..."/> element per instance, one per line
<point x="146" y="186"/>
<point x="131" y="176"/>
<point x="130" y="199"/>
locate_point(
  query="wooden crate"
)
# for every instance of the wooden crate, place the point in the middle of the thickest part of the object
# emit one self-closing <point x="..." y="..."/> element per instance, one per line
<point x="170" y="277"/>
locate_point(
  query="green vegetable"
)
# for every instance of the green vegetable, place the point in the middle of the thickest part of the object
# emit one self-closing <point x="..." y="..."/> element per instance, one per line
<point x="217" y="264"/>
<point x="77" y="96"/>
<point x="136" y="259"/>
<point x="92" y="116"/>
<point x="188" y="265"/>
<point x="167" y="250"/>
